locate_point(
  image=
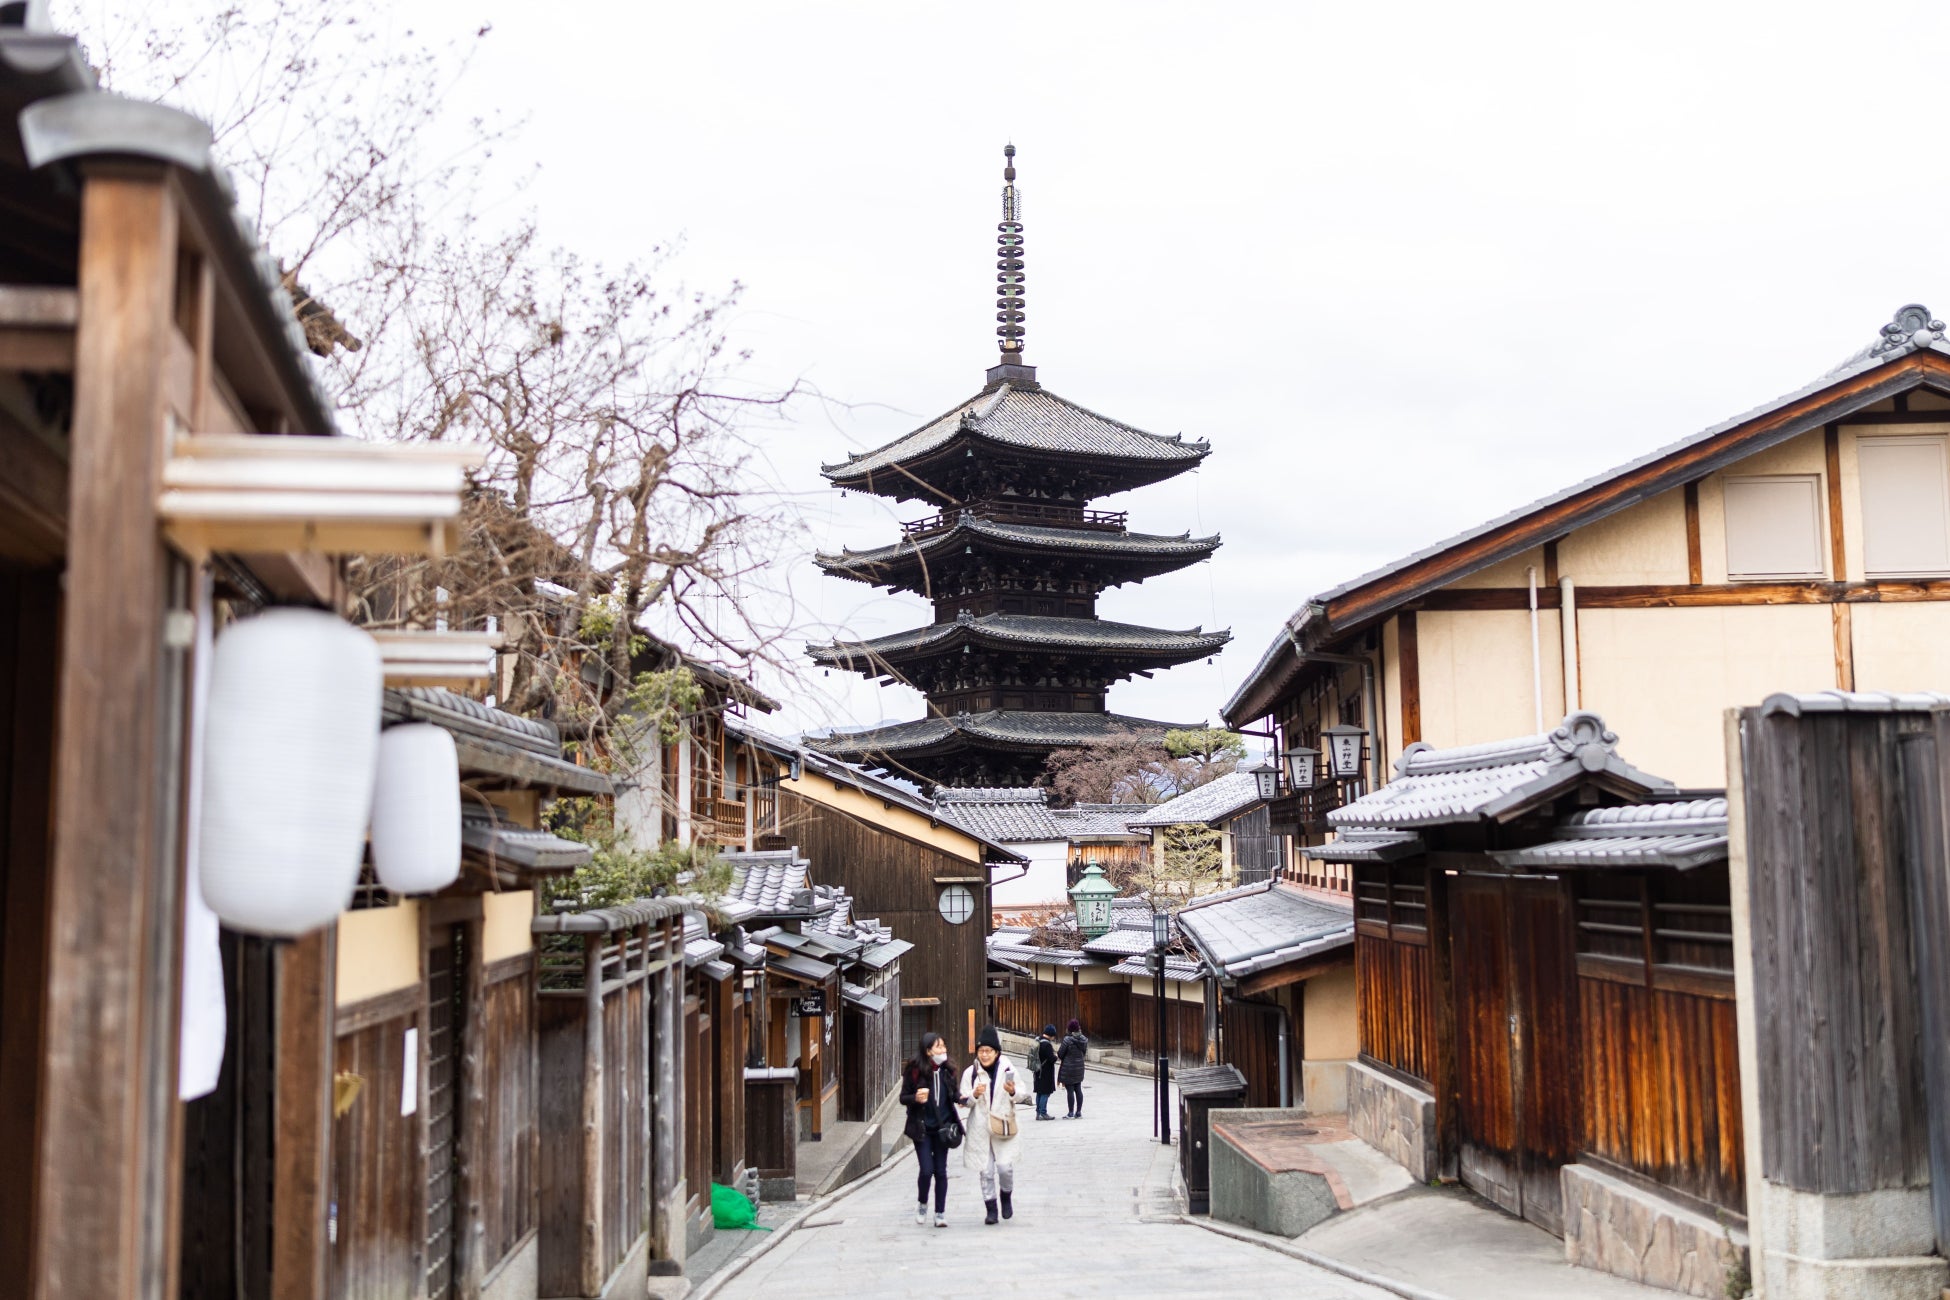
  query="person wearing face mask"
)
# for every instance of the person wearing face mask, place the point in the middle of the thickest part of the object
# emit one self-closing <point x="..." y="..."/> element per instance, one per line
<point x="929" y="1091"/>
<point x="993" y="1129"/>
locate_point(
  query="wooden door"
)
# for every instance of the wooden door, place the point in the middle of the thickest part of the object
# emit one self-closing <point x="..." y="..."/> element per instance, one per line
<point x="446" y="1014"/>
<point x="1516" y="1099"/>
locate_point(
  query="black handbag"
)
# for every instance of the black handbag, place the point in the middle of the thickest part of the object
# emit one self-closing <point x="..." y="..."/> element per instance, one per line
<point x="950" y="1133"/>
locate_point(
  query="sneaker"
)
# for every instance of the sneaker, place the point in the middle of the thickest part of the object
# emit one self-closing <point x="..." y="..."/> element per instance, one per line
<point x="921" y="1214"/>
<point x="940" y="1220"/>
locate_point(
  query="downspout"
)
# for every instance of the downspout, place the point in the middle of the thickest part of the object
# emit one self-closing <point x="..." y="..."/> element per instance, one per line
<point x="1286" y="1066"/>
<point x="1567" y="617"/>
<point x="1536" y="653"/>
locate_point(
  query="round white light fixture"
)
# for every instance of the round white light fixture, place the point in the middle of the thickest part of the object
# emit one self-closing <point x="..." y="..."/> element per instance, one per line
<point x="416" y="810"/>
<point x="291" y="735"/>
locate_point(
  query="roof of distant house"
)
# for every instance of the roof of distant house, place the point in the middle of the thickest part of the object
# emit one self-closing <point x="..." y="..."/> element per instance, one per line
<point x="1011" y="815"/>
<point x="1215" y="800"/>
<point x="1256" y="927"/>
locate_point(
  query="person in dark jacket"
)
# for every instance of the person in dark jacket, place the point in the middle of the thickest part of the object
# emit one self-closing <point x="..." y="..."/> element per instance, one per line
<point x="931" y="1089"/>
<point x="1044" y="1055"/>
<point x="1070" y="1058"/>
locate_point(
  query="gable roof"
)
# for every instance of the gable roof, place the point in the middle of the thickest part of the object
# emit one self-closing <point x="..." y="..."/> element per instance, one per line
<point x="1254" y="927"/>
<point x="1229" y="794"/>
<point x="1497" y="781"/>
<point x="1007" y="815"/>
<point x="1910" y="351"/>
<point x="1099" y="821"/>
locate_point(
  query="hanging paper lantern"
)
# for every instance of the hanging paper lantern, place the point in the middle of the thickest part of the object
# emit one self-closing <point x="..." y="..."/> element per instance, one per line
<point x="290" y="742"/>
<point x="416" y="810"/>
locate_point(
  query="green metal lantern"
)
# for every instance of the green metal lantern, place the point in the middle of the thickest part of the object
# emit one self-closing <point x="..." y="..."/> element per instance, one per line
<point x="1092" y="895"/>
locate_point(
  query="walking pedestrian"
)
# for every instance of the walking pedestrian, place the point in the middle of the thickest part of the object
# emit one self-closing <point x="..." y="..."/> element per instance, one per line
<point x="1043" y="1054"/>
<point x="929" y="1091"/>
<point x="1069" y="1071"/>
<point x="990" y="1150"/>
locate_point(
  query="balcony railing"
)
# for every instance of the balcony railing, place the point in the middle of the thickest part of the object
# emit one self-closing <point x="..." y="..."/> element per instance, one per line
<point x="1306" y="810"/>
<point x="1030" y="512"/>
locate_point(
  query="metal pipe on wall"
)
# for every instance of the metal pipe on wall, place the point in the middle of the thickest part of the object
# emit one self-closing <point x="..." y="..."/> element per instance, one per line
<point x="1536" y="652"/>
<point x="1286" y="1066"/>
<point x="1567" y="617"/>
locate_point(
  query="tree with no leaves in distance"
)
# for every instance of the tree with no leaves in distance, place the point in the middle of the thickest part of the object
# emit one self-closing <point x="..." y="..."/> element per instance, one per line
<point x="1142" y="767"/>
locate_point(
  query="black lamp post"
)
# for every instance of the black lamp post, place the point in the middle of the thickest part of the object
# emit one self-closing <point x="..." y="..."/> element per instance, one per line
<point x="1161" y="936"/>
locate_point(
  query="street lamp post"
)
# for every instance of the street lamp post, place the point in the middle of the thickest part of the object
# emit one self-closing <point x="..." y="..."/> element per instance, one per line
<point x="1160" y="936"/>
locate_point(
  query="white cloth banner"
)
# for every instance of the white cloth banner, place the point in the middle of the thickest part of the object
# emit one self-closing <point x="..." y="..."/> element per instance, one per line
<point x="205" y="1018"/>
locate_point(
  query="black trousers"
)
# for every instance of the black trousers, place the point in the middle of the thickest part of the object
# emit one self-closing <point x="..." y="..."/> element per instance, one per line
<point x="1073" y="1094"/>
<point x="934" y="1165"/>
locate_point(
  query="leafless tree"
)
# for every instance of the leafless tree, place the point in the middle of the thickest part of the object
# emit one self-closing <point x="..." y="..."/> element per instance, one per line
<point x="1132" y="766"/>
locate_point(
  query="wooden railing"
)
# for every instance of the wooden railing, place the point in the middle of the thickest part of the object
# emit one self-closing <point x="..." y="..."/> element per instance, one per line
<point x="1035" y="512"/>
<point x="1306" y="809"/>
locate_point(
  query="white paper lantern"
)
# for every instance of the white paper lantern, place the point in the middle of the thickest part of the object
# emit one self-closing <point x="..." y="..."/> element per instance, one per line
<point x="290" y="743"/>
<point x="416" y="810"/>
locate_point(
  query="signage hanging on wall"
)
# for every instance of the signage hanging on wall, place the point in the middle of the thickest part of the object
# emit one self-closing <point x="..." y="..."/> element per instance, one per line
<point x="813" y="1004"/>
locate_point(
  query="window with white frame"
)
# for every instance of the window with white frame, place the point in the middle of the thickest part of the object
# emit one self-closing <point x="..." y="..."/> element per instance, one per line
<point x="1774" y="527"/>
<point x="1905" y="505"/>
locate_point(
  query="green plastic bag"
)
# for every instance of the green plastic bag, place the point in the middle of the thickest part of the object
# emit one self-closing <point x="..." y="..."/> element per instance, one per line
<point x="730" y="1209"/>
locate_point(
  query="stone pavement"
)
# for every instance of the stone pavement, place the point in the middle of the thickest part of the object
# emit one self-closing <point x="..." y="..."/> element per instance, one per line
<point x="1095" y="1216"/>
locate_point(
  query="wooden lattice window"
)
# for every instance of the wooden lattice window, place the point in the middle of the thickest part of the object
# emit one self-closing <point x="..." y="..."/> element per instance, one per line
<point x="1667" y="929"/>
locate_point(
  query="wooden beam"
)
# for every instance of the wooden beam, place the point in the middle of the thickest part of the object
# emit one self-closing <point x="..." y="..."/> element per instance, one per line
<point x="97" y="1160"/>
<point x="1694" y="568"/>
<point x="33" y="495"/>
<point x="1831" y="445"/>
<point x="1695" y="460"/>
<point x="1844" y="619"/>
<point x="1676" y="596"/>
<point x="301" y="1180"/>
<point x="1410" y="658"/>
<point x="1550" y="565"/>
<point x="37" y="327"/>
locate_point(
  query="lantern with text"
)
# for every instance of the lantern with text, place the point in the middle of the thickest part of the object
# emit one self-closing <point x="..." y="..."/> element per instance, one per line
<point x="1267" y="777"/>
<point x="1302" y="767"/>
<point x="1344" y="750"/>
<point x="1092" y="896"/>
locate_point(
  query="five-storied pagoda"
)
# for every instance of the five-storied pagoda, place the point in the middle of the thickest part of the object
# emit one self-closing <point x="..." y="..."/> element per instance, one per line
<point x="1016" y="661"/>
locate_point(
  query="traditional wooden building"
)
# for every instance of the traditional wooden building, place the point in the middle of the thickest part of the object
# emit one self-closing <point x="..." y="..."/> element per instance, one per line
<point x="1544" y="967"/>
<point x="1804" y="545"/>
<point x="1016" y="662"/>
<point x="1231" y="808"/>
<point x="158" y="417"/>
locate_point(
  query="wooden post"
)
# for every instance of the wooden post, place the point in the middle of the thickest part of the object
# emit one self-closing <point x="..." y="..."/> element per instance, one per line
<point x="470" y="1225"/>
<point x="301" y="1192"/>
<point x="592" y="1114"/>
<point x="103" y="1168"/>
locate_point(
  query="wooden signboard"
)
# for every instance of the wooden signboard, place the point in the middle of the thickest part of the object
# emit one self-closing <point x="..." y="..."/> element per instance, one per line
<point x="813" y="1003"/>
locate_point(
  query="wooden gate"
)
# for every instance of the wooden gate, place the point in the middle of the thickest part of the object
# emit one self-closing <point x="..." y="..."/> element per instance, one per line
<point x="1516" y="1101"/>
<point x="446" y="1015"/>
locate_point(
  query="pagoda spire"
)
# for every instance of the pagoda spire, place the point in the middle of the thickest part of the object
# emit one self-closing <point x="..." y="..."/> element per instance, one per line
<point x="1010" y="312"/>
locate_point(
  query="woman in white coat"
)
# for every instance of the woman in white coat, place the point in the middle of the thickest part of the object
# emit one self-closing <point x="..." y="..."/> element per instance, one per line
<point x="993" y="1128"/>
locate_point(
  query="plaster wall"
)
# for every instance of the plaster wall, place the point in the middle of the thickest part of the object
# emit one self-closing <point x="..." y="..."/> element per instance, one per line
<point x="1507" y="573"/>
<point x="1645" y="544"/>
<point x="379" y="951"/>
<point x="1044" y="885"/>
<point x="1329" y="1030"/>
<point x="1476" y="674"/>
<point x="505" y="922"/>
<point x="1661" y="677"/>
<point x="1901" y="647"/>
<point x="904" y="821"/>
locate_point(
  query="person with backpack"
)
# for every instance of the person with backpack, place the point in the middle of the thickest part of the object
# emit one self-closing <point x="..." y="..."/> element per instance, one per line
<point x="993" y="1129"/>
<point x="1070" y="1058"/>
<point x="931" y="1095"/>
<point x="1042" y="1070"/>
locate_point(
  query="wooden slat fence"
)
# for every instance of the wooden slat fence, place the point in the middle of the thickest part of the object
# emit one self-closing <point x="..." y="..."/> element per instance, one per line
<point x="1395" y="1012"/>
<point x="1184" y="1029"/>
<point x="376" y="1165"/>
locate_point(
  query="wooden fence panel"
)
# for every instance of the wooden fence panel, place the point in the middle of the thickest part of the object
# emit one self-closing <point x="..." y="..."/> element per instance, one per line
<point x="1249" y="1038"/>
<point x="508" y="1190"/>
<point x="376" y="1171"/>
<point x="1184" y="1029"/>
<point x="1036" y="1005"/>
<point x="1395" y="1008"/>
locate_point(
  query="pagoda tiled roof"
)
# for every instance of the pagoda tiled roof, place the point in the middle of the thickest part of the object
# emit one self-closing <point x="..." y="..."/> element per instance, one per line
<point x="1157" y="550"/>
<point x="998" y="727"/>
<point x="1038" y="631"/>
<point x="1028" y="418"/>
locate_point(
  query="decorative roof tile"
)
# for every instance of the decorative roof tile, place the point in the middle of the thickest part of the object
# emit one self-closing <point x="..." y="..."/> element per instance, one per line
<point x="1492" y="782"/>
<point x="1231" y="793"/>
<point x="1032" y="419"/>
<point x="1682" y="834"/>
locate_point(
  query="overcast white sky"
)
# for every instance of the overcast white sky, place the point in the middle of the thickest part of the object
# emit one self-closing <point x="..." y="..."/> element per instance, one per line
<point x="1405" y="265"/>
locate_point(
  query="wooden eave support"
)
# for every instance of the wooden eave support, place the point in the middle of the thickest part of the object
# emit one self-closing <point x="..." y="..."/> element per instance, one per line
<point x="266" y="492"/>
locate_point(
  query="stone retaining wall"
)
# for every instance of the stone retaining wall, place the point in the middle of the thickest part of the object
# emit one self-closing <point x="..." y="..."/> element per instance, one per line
<point x="1620" y="1228"/>
<point x="1394" y="1118"/>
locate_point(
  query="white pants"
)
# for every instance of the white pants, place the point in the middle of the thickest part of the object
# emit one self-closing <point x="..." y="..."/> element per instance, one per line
<point x="992" y="1174"/>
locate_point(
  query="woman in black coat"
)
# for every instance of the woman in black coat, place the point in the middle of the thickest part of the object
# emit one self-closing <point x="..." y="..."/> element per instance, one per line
<point x="931" y="1089"/>
<point x="1070" y="1058"/>
<point x="1043" y="1054"/>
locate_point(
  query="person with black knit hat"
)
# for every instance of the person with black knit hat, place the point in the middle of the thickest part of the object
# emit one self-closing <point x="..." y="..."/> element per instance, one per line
<point x="993" y="1129"/>
<point x="1042" y="1059"/>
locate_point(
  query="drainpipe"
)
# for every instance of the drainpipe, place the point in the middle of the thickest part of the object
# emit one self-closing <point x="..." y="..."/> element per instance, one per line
<point x="1567" y="617"/>
<point x="1536" y="653"/>
<point x="1286" y="1066"/>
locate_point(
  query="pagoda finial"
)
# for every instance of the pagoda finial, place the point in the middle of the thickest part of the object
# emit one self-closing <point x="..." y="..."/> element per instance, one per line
<point x="1008" y="265"/>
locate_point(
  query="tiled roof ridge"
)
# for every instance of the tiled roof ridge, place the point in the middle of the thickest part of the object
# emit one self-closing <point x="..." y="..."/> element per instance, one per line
<point x="1581" y="737"/>
<point x="1029" y="630"/>
<point x="992" y="794"/>
<point x="1006" y="530"/>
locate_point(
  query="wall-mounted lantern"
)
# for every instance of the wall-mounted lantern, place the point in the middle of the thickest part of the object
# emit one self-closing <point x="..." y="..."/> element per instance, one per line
<point x="1302" y="767"/>
<point x="1344" y="750"/>
<point x="1267" y="777"/>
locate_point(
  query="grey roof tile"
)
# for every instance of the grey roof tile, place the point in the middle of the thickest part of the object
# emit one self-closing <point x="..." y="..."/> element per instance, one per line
<point x="1256" y="927"/>
<point x="1009" y="815"/>
<point x="1007" y="727"/>
<point x="1682" y="833"/>
<point x="1100" y="821"/>
<point x="1182" y="969"/>
<point x="1140" y="546"/>
<point x="1032" y="630"/>
<point x="1031" y="418"/>
<point x="1231" y="793"/>
<point x="1359" y="844"/>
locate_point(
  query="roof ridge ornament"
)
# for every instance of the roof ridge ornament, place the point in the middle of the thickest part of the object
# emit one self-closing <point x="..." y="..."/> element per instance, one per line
<point x="1011" y="313"/>
<point x="1583" y="738"/>
<point x="1913" y="325"/>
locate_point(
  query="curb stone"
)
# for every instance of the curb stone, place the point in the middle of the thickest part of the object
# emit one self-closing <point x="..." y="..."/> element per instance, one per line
<point x="1305" y="1256"/>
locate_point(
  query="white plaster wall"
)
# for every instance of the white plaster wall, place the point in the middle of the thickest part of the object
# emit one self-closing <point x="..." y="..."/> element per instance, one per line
<point x="1476" y="674"/>
<point x="1642" y="545"/>
<point x="1044" y="885"/>
<point x="1902" y="647"/>
<point x="1661" y="678"/>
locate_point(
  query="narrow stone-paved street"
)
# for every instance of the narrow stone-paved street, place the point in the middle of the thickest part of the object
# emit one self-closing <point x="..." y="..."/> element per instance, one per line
<point x="1093" y="1200"/>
